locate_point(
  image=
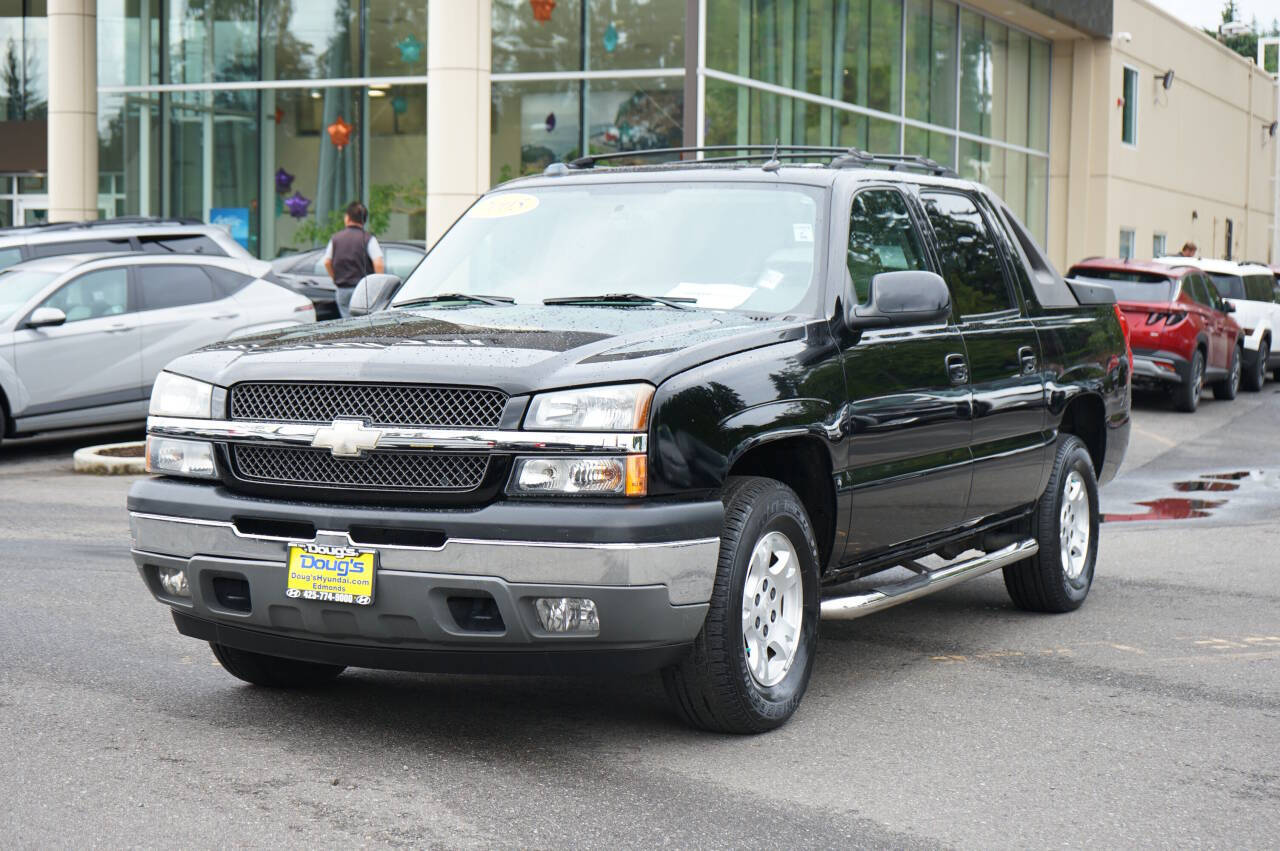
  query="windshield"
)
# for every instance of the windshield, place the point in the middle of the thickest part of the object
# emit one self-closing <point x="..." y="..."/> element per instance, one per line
<point x="1229" y="286"/>
<point x="726" y="246"/>
<point x="1131" y="286"/>
<point x="16" y="288"/>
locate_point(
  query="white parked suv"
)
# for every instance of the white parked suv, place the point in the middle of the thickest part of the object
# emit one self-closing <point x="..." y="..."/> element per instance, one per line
<point x="1250" y="289"/>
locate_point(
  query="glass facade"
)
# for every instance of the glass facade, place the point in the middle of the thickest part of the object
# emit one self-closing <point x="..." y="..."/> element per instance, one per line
<point x="24" y="68"/>
<point x="271" y="115"/>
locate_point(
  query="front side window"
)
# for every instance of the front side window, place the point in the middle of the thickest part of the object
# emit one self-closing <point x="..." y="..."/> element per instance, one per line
<point x="881" y="239"/>
<point x="174" y="286"/>
<point x="970" y="260"/>
<point x="10" y="257"/>
<point x="93" y="295"/>
<point x="1129" y="123"/>
<point x="18" y="286"/>
<point x="735" y="246"/>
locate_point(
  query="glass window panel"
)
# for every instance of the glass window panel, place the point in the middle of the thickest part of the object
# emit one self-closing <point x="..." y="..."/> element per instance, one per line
<point x="24" y="44"/>
<point x="174" y="286"/>
<point x="1129" y="124"/>
<point x="1037" y="198"/>
<point x="397" y="162"/>
<point x="93" y="295"/>
<point x="128" y="152"/>
<point x="395" y="38"/>
<point x="971" y="263"/>
<point x="532" y="126"/>
<point x="881" y="239"/>
<point x="939" y="147"/>
<point x="1038" y="104"/>
<point x="310" y="40"/>
<point x="996" y="37"/>
<point x="870" y="64"/>
<point x="942" y="87"/>
<point x="1159" y="245"/>
<point x="1018" y="88"/>
<point x="634" y="33"/>
<point x="634" y="115"/>
<point x="975" y="75"/>
<point x="211" y="40"/>
<point x="128" y="42"/>
<point x="1126" y="243"/>
<point x="1015" y="182"/>
<point x="919" y="53"/>
<point x="522" y="43"/>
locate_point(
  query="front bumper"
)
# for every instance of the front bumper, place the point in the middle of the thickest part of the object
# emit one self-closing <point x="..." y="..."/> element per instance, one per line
<point x="650" y="569"/>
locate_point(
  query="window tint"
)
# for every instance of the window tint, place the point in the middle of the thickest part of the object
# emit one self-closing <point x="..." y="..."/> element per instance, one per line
<point x="1229" y="286"/>
<point x="970" y="261"/>
<point x="1129" y="285"/>
<point x="174" y="286"/>
<point x="401" y="261"/>
<point x="1196" y="288"/>
<point x="881" y="239"/>
<point x="193" y="243"/>
<point x="79" y="246"/>
<point x="1259" y="288"/>
<point x="10" y="256"/>
<point x="93" y="295"/>
<point x="227" y="281"/>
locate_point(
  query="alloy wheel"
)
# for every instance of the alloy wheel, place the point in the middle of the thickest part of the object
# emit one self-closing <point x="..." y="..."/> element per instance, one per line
<point x="772" y="609"/>
<point x="1074" y="525"/>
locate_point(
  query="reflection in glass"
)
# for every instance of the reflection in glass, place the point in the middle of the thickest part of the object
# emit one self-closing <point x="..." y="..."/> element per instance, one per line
<point x="395" y="38"/>
<point x="939" y="147"/>
<point x="970" y="262"/>
<point x="634" y="33"/>
<point x="881" y="239"/>
<point x="521" y="43"/>
<point x="532" y="126"/>
<point x="931" y="61"/>
<point x="24" y="61"/>
<point x="397" y="162"/>
<point x="128" y="154"/>
<point x="310" y="40"/>
<point x="211" y="40"/>
<point x="634" y="115"/>
<point x="128" y="42"/>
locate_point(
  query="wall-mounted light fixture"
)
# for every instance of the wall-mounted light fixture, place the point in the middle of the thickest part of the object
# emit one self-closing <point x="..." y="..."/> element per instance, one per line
<point x="1166" y="80"/>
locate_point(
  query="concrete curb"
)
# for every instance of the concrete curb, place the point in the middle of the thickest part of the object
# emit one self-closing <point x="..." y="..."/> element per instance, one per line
<point x="89" y="460"/>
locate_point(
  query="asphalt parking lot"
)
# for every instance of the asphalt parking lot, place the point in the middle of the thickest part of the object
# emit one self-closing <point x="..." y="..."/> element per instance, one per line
<point x="1151" y="717"/>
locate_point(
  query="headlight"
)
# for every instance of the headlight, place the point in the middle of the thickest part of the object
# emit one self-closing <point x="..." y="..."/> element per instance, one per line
<point x="169" y="456"/>
<point x="179" y="396"/>
<point x="620" y="407"/>
<point x="614" y="476"/>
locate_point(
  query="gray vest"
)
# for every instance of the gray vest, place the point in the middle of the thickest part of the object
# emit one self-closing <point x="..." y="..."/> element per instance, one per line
<point x="351" y="256"/>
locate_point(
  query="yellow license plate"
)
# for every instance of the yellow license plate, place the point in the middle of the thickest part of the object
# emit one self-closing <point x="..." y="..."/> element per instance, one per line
<point x="331" y="574"/>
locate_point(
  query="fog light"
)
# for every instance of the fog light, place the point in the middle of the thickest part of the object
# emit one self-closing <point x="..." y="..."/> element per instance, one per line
<point x="174" y="582"/>
<point x="180" y="457"/>
<point x="567" y="614"/>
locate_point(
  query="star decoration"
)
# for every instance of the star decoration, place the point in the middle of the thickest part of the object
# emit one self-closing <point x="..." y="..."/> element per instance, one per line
<point x="339" y="133"/>
<point x="297" y="205"/>
<point x="284" y="180"/>
<point x="410" y="49"/>
<point x="542" y="9"/>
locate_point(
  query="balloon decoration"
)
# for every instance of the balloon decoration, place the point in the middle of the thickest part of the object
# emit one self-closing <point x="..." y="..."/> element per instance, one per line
<point x="399" y="104"/>
<point x="284" y="180"/>
<point x="279" y="116"/>
<point x="610" y="38"/>
<point x="339" y="133"/>
<point x="297" y="205"/>
<point x="542" y="9"/>
<point x="410" y="49"/>
<point x="551" y="122"/>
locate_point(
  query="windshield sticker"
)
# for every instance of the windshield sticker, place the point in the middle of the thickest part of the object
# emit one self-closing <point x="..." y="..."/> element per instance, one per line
<point x="716" y="296"/>
<point x="770" y="278"/>
<point x="503" y="205"/>
<point x="802" y="232"/>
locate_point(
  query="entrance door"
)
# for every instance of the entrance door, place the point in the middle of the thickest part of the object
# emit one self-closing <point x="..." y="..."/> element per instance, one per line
<point x="31" y="210"/>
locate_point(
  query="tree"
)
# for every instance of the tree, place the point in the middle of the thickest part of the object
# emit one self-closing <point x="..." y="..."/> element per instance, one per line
<point x="1246" y="44"/>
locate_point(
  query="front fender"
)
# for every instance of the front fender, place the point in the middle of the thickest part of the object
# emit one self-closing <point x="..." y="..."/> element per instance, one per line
<point x="15" y="392"/>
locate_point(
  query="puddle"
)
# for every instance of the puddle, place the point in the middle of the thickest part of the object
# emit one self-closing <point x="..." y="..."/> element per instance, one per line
<point x="1171" y="508"/>
<point x="1205" y="486"/>
<point x="1234" y="477"/>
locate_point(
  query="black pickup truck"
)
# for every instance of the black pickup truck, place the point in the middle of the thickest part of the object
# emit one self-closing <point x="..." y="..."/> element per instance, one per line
<point x="645" y="417"/>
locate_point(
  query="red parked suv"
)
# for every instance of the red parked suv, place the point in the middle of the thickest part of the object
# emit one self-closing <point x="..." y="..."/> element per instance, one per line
<point x="1179" y="327"/>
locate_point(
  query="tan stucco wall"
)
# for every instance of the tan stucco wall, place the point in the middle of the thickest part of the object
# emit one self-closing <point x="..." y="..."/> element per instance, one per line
<point x="1201" y="146"/>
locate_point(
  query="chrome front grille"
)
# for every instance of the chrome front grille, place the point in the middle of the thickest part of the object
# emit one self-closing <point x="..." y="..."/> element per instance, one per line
<point x="411" y="405"/>
<point x="400" y="471"/>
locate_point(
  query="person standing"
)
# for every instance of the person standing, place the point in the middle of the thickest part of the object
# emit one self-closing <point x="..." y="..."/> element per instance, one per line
<point x="351" y="254"/>
<point x="1188" y="250"/>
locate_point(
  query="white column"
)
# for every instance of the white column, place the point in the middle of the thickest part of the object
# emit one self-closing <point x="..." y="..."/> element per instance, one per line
<point x="73" y="110"/>
<point x="458" y="62"/>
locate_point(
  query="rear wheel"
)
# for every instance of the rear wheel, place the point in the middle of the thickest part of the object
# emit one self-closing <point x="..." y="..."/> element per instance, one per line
<point x="750" y="664"/>
<point x="273" y="671"/>
<point x="1186" y="396"/>
<point x="1065" y="525"/>
<point x="1256" y="377"/>
<point x="1227" y="388"/>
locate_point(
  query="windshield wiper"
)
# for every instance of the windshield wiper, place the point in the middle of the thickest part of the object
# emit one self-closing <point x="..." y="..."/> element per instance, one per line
<point x="635" y="298"/>
<point x="471" y="297"/>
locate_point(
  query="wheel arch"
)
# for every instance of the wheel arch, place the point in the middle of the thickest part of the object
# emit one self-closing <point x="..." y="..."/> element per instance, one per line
<point x="1085" y="416"/>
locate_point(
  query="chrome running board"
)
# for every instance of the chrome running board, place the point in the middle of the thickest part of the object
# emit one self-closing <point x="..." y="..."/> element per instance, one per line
<point x="866" y="602"/>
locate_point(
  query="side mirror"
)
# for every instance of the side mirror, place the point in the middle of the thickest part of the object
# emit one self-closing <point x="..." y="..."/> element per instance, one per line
<point x="373" y="293"/>
<point x="903" y="298"/>
<point x="46" y="317"/>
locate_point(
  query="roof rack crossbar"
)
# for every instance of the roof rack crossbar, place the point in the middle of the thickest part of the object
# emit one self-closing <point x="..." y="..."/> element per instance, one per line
<point x="53" y="227"/>
<point x="842" y="157"/>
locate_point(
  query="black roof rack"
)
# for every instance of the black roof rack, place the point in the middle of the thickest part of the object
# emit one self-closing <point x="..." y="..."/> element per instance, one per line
<point x="840" y="157"/>
<point x="119" y="221"/>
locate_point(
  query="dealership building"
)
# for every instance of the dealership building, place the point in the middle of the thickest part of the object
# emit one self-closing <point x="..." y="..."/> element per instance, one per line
<point x="1111" y="127"/>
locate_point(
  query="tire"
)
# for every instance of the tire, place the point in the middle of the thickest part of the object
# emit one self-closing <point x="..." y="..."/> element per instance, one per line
<point x="274" y="671"/>
<point x="716" y="687"/>
<point x="1256" y="377"/>
<point x="1058" y="577"/>
<point x="1227" y="388"/>
<point x="1186" y="396"/>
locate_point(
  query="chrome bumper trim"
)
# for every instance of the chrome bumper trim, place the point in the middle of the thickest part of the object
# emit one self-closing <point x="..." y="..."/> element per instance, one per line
<point x="687" y="568"/>
<point x="390" y="437"/>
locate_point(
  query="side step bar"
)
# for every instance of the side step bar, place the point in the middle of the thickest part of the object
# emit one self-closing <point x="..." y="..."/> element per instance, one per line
<point x="867" y="602"/>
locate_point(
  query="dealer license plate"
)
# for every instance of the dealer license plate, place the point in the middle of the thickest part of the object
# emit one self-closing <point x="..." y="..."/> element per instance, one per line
<point x="331" y="574"/>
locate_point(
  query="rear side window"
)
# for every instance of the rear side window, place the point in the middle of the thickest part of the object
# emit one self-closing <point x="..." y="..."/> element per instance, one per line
<point x="1259" y="288"/>
<point x="1197" y="288"/>
<point x="174" y="286"/>
<point x="970" y="261"/>
<point x="881" y="239"/>
<point x="79" y="246"/>
<point x="187" y="243"/>
<point x="227" y="281"/>
<point x="10" y="256"/>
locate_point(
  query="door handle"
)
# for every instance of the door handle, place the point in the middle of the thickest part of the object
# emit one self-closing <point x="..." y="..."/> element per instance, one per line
<point x="957" y="369"/>
<point x="226" y="316"/>
<point x="119" y="329"/>
<point x="1027" y="356"/>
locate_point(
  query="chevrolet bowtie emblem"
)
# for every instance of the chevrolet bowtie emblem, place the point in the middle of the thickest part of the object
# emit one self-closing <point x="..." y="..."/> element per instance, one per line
<point x="346" y="438"/>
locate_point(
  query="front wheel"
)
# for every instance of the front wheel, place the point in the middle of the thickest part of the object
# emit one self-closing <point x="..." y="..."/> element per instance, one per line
<point x="1227" y="388"/>
<point x="1065" y="524"/>
<point x="1256" y="377"/>
<point x="273" y="671"/>
<point x="750" y="664"/>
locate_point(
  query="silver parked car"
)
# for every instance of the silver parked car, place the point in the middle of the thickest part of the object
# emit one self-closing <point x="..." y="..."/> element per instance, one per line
<point x="83" y="337"/>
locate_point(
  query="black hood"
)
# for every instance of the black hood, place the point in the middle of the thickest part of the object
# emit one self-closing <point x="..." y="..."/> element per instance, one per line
<point x="517" y="348"/>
